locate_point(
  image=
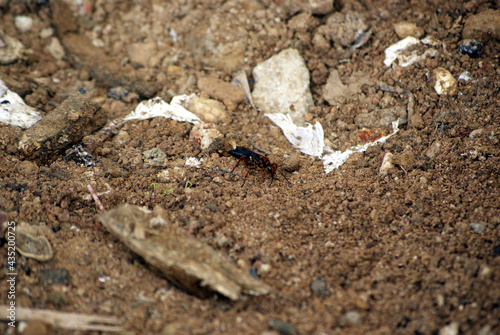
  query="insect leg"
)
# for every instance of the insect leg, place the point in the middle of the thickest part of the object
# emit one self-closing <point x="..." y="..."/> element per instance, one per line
<point x="245" y="179"/>
<point x="239" y="160"/>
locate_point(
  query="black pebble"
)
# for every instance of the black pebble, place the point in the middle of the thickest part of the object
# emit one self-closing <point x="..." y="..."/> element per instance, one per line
<point x="470" y="47"/>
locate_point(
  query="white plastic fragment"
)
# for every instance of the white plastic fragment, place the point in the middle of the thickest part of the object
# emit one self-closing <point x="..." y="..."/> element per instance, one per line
<point x="465" y="76"/>
<point x="194" y="162"/>
<point x="396" y="51"/>
<point x="309" y="140"/>
<point x="173" y="34"/>
<point x="14" y="111"/>
<point x="392" y="52"/>
<point x="335" y="159"/>
<point x="158" y="107"/>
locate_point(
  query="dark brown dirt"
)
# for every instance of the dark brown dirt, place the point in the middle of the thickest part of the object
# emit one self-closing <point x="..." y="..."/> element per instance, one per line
<point x="410" y="252"/>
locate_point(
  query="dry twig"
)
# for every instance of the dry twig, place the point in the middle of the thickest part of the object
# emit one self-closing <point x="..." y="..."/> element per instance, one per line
<point x="67" y="320"/>
<point x="95" y="197"/>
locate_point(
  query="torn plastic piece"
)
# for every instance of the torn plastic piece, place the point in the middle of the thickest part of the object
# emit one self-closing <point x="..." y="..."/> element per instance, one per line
<point x="194" y="162"/>
<point x="335" y="159"/>
<point x="14" y="111"/>
<point x="396" y="50"/>
<point x="174" y="110"/>
<point x="241" y="79"/>
<point x="309" y="140"/>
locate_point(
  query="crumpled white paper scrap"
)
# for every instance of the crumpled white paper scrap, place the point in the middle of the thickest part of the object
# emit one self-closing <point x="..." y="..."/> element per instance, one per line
<point x="309" y="140"/>
<point x="174" y="110"/>
<point x="334" y="159"/>
<point x="396" y="50"/>
<point x="14" y="111"/>
<point x="194" y="162"/>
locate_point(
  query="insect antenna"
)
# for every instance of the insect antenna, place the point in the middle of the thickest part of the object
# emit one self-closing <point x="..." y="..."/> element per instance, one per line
<point x="284" y="177"/>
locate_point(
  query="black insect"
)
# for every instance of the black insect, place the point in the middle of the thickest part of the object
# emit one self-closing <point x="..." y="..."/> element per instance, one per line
<point x="254" y="161"/>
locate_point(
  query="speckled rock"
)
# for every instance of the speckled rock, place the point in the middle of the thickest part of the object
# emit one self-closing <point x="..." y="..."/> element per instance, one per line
<point x="443" y="81"/>
<point x="209" y="110"/>
<point x="469" y="47"/>
<point x="405" y="29"/>
<point x="483" y="26"/>
<point x="231" y="95"/>
<point x="282" y="85"/>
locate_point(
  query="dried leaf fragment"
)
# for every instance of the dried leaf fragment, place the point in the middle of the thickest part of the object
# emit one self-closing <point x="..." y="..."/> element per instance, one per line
<point x="31" y="243"/>
<point x="183" y="259"/>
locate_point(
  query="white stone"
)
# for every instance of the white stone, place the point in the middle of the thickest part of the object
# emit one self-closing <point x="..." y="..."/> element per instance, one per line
<point x="398" y="51"/>
<point x="204" y="134"/>
<point x="23" y="23"/>
<point x="14" y="111"/>
<point x="451" y="329"/>
<point x="55" y="48"/>
<point x="444" y="82"/>
<point x="46" y="33"/>
<point x="209" y="110"/>
<point x="387" y="164"/>
<point x="282" y="85"/>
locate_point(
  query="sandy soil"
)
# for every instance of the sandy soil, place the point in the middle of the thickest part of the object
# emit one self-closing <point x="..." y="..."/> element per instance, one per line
<point x="412" y="251"/>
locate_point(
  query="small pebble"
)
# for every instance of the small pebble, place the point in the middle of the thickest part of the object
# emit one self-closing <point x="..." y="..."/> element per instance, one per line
<point x="387" y="164"/>
<point x="465" y="76"/>
<point x="433" y="150"/>
<point x="46" y="33"/>
<point x="405" y="29"/>
<point x="291" y="163"/>
<point x="55" y="49"/>
<point x="218" y="89"/>
<point x="264" y="268"/>
<point x="351" y="318"/>
<point x="206" y="135"/>
<point x="472" y="48"/>
<point x="451" y="329"/>
<point x="23" y="23"/>
<point x="122" y="137"/>
<point x="210" y="110"/>
<point x="478" y="228"/>
<point x="318" y="286"/>
<point x="444" y="82"/>
<point x="154" y="157"/>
